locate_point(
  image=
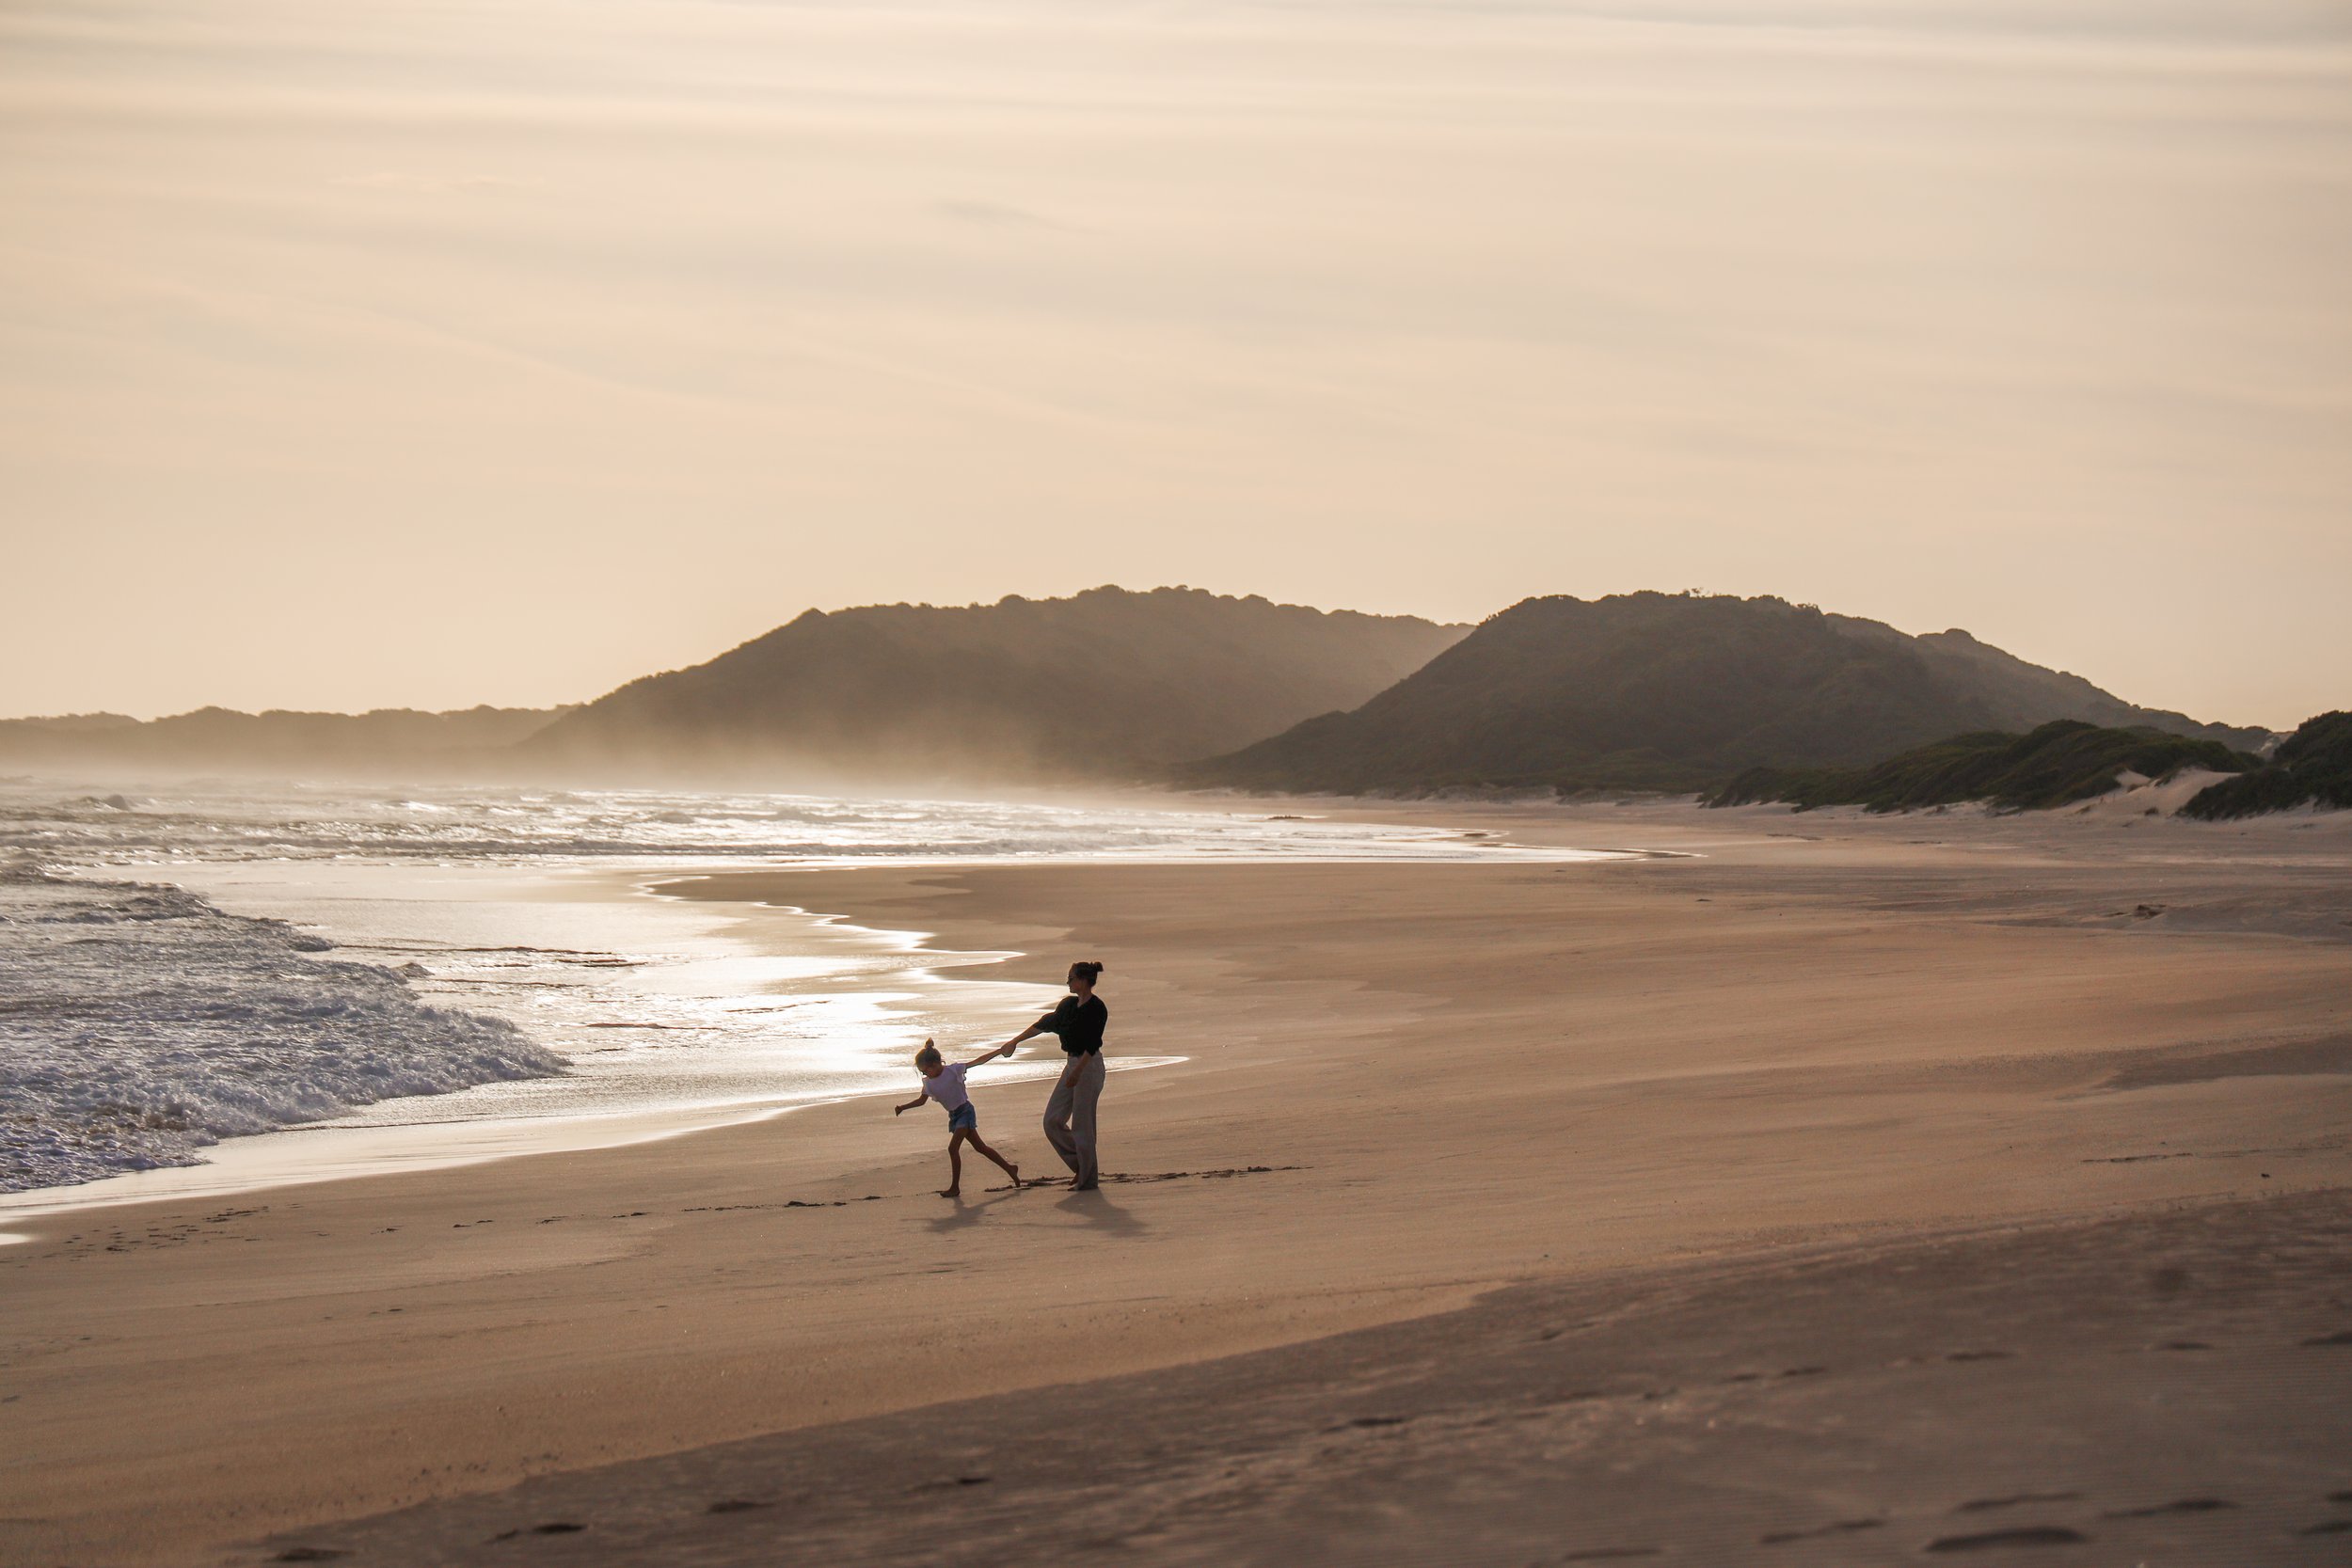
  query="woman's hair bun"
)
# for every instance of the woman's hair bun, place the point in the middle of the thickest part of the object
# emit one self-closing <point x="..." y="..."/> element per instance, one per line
<point x="1088" y="968"/>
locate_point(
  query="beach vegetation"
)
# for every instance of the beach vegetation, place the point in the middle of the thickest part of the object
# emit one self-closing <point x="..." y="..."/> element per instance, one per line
<point x="2311" y="767"/>
<point x="2054" y="765"/>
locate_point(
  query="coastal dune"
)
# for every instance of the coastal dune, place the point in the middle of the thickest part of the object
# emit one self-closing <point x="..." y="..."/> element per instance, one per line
<point x="1508" y="1098"/>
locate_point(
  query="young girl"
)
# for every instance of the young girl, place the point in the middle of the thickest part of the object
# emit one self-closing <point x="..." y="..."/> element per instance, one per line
<point x="943" y="1082"/>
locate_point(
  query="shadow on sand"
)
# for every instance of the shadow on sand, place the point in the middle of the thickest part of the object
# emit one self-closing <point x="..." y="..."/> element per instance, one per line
<point x="1096" y="1208"/>
<point x="967" y="1213"/>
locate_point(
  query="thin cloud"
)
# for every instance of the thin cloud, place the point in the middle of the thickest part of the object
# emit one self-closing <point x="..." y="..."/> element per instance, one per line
<point x="994" y="215"/>
<point x="427" y="184"/>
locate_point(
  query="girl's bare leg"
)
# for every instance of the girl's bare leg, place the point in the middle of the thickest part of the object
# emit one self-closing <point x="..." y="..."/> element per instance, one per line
<point x="955" y="1164"/>
<point x="1002" y="1163"/>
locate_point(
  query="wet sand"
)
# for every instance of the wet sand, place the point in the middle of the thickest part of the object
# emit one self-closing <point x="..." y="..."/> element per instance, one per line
<point x="1408" y="1088"/>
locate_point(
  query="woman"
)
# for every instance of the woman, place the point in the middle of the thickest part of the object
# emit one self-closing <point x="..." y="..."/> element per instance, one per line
<point x="1077" y="1019"/>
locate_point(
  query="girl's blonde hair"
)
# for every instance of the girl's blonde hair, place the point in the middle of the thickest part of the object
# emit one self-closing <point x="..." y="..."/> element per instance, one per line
<point x="928" y="1056"/>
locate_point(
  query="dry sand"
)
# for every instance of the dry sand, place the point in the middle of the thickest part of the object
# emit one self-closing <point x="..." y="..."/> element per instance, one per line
<point x="1865" y="1095"/>
<point x="2154" y="1390"/>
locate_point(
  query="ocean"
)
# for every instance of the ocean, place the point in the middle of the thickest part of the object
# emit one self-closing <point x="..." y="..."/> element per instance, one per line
<point x="214" y="986"/>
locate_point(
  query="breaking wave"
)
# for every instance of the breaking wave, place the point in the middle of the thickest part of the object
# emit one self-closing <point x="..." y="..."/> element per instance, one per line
<point x="139" y="1023"/>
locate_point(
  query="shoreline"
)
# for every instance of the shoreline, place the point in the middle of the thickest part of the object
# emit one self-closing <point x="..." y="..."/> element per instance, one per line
<point x="446" y="1131"/>
<point x="1454" y="1079"/>
<point x="450" y="1130"/>
<point x="368" y="1143"/>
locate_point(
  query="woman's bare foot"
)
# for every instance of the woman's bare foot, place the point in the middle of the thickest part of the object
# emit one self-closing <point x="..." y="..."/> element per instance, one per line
<point x="951" y="1192"/>
<point x="1014" y="1172"/>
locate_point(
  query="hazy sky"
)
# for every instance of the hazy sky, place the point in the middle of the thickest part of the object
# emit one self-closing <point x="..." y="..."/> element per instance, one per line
<point x="370" y="353"/>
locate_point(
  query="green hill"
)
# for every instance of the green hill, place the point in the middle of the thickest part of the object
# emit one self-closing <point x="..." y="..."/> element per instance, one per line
<point x="2313" y="766"/>
<point x="2062" y="762"/>
<point x="1104" y="684"/>
<point x="1669" y="693"/>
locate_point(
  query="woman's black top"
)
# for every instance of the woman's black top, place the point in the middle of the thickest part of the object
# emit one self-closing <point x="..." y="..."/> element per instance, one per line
<point x="1078" y="1023"/>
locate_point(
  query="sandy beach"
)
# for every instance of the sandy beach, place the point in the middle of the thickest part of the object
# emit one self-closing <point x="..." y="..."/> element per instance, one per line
<point x="1872" y="1136"/>
<point x="595" y="576"/>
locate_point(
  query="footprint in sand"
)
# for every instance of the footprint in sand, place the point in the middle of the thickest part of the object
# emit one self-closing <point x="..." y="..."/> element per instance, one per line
<point x="558" y="1527"/>
<point x="2030" y="1535"/>
<point x="1195" y="1175"/>
<point x="1368" y="1421"/>
<point x="1981" y="1505"/>
<point x="2184" y="1505"/>
<point x="1843" y="1527"/>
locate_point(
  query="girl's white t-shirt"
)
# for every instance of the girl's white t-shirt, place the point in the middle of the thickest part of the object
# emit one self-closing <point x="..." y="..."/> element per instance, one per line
<point x="947" y="1088"/>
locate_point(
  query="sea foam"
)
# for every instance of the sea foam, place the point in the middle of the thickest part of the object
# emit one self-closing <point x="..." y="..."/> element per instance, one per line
<point x="139" y="1023"/>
